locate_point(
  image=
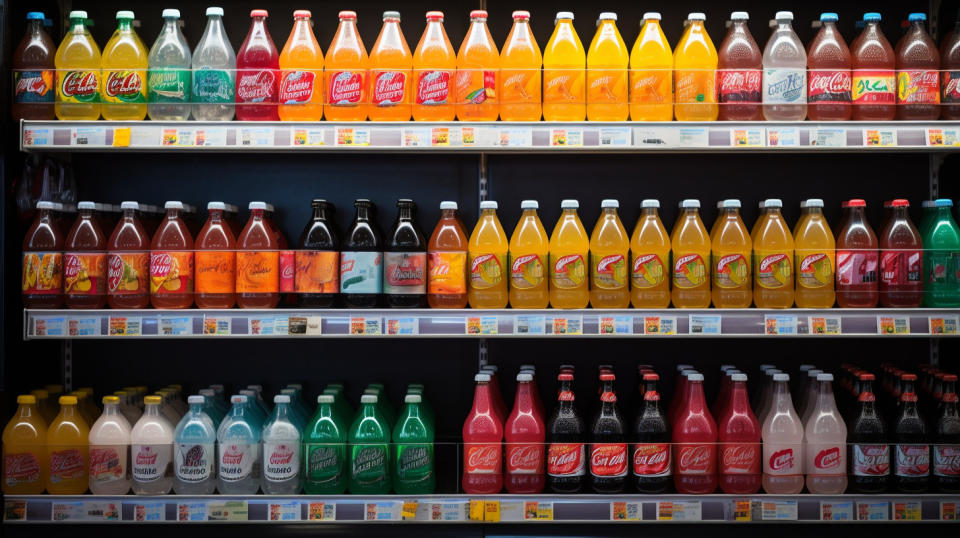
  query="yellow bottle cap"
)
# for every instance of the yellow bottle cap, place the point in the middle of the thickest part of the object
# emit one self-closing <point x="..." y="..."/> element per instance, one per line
<point x="68" y="400"/>
<point x="152" y="400"/>
<point x="87" y="390"/>
<point x="110" y="399"/>
<point x="26" y="399"/>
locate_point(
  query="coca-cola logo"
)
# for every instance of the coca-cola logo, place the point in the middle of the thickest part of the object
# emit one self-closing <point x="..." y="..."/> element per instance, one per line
<point x="828" y="458"/>
<point x="608" y="459"/>
<point x="346" y="88"/>
<point x="913" y="460"/>
<point x="871" y="460"/>
<point x="946" y="460"/>
<point x="114" y="271"/>
<point x="739" y="459"/>
<point x="287" y="271"/>
<point x="389" y="88"/>
<point x="695" y="459"/>
<point x="563" y="261"/>
<point x="281" y="455"/>
<point x="433" y="87"/>
<point x="483" y="459"/>
<point x="738" y="81"/>
<point x="565" y="459"/>
<point x="34" y="85"/>
<point x="781" y="460"/>
<point x="256" y="87"/>
<point x="951" y="90"/>
<point x="651" y="459"/>
<point x="160" y="264"/>
<point x="123" y="84"/>
<point x="79" y="83"/>
<point x="830" y="82"/>
<point x="296" y="87"/>
<point x="525" y="459"/>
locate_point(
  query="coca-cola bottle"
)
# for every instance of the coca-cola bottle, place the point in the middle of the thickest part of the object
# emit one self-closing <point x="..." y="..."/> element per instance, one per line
<point x="739" y="72"/>
<point x="867" y="442"/>
<point x="566" y="460"/>
<point x="651" y="435"/>
<point x="738" y="432"/>
<point x="946" y="450"/>
<point x="918" y="73"/>
<point x="608" y="446"/>
<point x="829" y="79"/>
<point x="524" y="434"/>
<point x="911" y="462"/>
<point x="695" y="442"/>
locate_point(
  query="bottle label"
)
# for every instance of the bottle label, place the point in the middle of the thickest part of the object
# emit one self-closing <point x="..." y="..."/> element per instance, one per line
<point x="433" y="87"/>
<point x="739" y="458"/>
<point x="78" y="86"/>
<point x="647" y="271"/>
<point x="564" y="86"/>
<point x="607" y="86"/>
<point x="651" y="87"/>
<point x="369" y="465"/>
<point x="150" y="462"/>
<point x="689" y="271"/>
<point x="609" y="272"/>
<point x="826" y="86"/>
<point x="526" y="271"/>
<point x="216" y="271"/>
<point x="871" y="460"/>
<point x="525" y="459"/>
<point x="695" y="87"/>
<point x="258" y="271"/>
<point x="212" y="86"/>
<point x="287" y="264"/>
<point x="20" y="468"/>
<point x="874" y="87"/>
<point x="236" y="461"/>
<point x="296" y="87"/>
<point x="84" y="273"/>
<point x="405" y="273"/>
<point x="566" y="459"/>
<point x="127" y="273"/>
<point x="66" y="464"/>
<point x="567" y="272"/>
<point x="346" y="88"/>
<point x="317" y="271"/>
<point x="360" y="272"/>
<point x="171" y="272"/>
<point x="42" y="273"/>
<point x="774" y="270"/>
<point x="918" y="87"/>
<point x="414" y="463"/>
<point x="325" y="463"/>
<point x="780" y="460"/>
<point x="107" y="465"/>
<point x="856" y="267"/>
<point x="521" y="86"/>
<point x="125" y="87"/>
<point x="33" y="86"/>
<point x="608" y="459"/>
<point x="912" y="460"/>
<point x="486" y="270"/>
<point x="168" y="85"/>
<point x="281" y="461"/>
<point x="448" y="273"/>
<point x="255" y="86"/>
<point x="944" y="266"/>
<point x="814" y="270"/>
<point x="474" y="86"/>
<point x="950" y="86"/>
<point x="389" y="88"/>
<point x="946" y="460"/>
<point x="901" y="267"/>
<point x="825" y="459"/>
<point x="739" y="85"/>
<point x="194" y="463"/>
<point x="732" y="271"/>
<point x="695" y="459"/>
<point x="651" y="459"/>
<point x="482" y="458"/>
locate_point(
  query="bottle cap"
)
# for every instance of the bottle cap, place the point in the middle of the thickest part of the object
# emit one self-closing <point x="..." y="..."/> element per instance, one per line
<point x="739" y="16"/>
<point x="125" y="15"/>
<point x="259" y="13"/>
<point x="45" y="205"/>
<point x="784" y="16"/>
<point x="871" y="16"/>
<point x="68" y="400"/>
<point x="608" y="377"/>
<point x="650" y="203"/>
<point x="900" y="202"/>
<point x="731" y="203"/>
<point x="824" y="377"/>
<point x="530" y="367"/>
<point x="249" y="393"/>
<point x="482" y="378"/>
<point x="412" y="398"/>
<point x="130" y="205"/>
<point x="738" y="377"/>
<point x="773" y="202"/>
<point x="78" y="14"/>
<point x="86" y="205"/>
<point x="913" y="17"/>
<point x="488" y="204"/>
<point x="478" y="14"/>
<point x="681" y="367"/>
<point x="950" y="377"/>
<point x="40" y="393"/>
<point x="195" y="399"/>
<point x="651" y="377"/>
<point x="35" y="16"/>
<point x="257" y="205"/>
<point x="216" y="205"/>
<point x="391" y="15"/>
<point x="170" y="13"/>
<point x="524" y="377"/>
<point x="608" y="16"/>
<point x="943" y="202"/>
<point x="214" y="12"/>
<point x="856" y="202"/>
<point x="152" y="400"/>
<point x="368" y="399"/>
<point x="281" y="398"/>
<point x="695" y="377"/>
<point x="448" y="205"/>
<point x="610" y="203"/>
<point x="305" y="14"/>
<point x="814" y="202"/>
<point x="781" y="377"/>
<point x="696" y="16"/>
<point x="325" y="398"/>
<point x="867" y="377"/>
<point x="173" y="204"/>
<point x="435" y="16"/>
<point x="347" y="15"/>
<point x="565" y="377"/>
<point x="651" y="16"/>
<point x="111" y="399"/>
<point x="26" y="399"/>
<point x="690" y="204"/>
<point x="814" y="373"/>
<point x="908" y="377"/>
<point x="521" y="15"/>
<point x="238" y="399"/>
<point x="565" y="15"/>
<point x="529" y="204"/>
<point x="829" y="17"/>
<point x="569" y="204"/>
<point x="206" y="392"/>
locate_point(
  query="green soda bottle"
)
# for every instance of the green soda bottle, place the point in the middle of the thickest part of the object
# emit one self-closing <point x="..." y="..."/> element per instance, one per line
<point x="369" y="439"/>
<point x="941" y="263"/>
<point x="340" y="402"/>
<point x="382" y="404"/>
<point x="425" y="408"/>
<point x="413" y="463"/>
<point x="325" y="451"/>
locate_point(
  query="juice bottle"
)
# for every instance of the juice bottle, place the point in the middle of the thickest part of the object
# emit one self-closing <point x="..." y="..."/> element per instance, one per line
<point x="520" y="79"/>
<point x="45" y="406"/>
<point x="529" y="252"/>
<point x="773" y="252"/>
<point x="216" y="261"/>
<point x="740" y="72"/>
<point x="78" y="72"/>
<point x="34" y="73"/>
<point x="732" y="253"/>
<point x="758" y="224"/>
<point x="569" y="252"/>
<point x="405" y="260"/>
<point x="361" y="262"/>
<point x="815" y="258"/>
<point x="67" y="450"/>
<point x="488" y="254"/>
<point x="874" y="75"/>
<point x="478" y="64"/>
<point x="941" y="264"/>
<point x="110" y="451"/>
<point x="434" y="66"/>
<point x="802" y="220"/>
<point x="25" y="463"/>
<point x="300" y="93"/>
<point x="918" y="73"/>
<point x="317" y="271"/>
<point x="609" y="256"/>
<point x="214" y="71"/>
<point x="447" y="261"/>
<point x="42" y="283"/>
<point x="901" y="260"/>
<point x="650" y="259"/>
<point x="694" y="76"/>
<point x="391" y="69"/>
<point x="691" y="257"/>
<point x="128" y="261"/>
<point x="564" y="76"/>
<point x="607" y="79"/>
<point x="346" y="72"/>
<point x="651" y="73"/>
<point x="171" y="261"/>
<point x="258" y="68"/>
<point x="124" y="67"/>
<point x="258" y="262"/>
<point x="85" y="261"/>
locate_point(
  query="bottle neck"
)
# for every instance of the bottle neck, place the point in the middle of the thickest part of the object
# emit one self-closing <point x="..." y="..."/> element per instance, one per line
<point x="171" y="25"/>
<point x="363" y="213"/>
<point x="69" y="411"/>
<point x="152" y="410"/>
<point x="405" y="212"/>
<point x="124" y="25"/>
<point x="77" y="26"/>
<point x="173" y="214"/>
<point x="900" y="213"/>
<point x="370" y="410"/>
<point x="481" y="398"/>
<point x="320" y="213"/>
<point x="857" y="213"/>
<point x="195" y="409"/>
<point x="781" y="393"/>
<point x="649" y="212"/>
<point x="27" y="410"/>
<point x="112" y="409"/>
<point x="434" y="31"/>
<point x="695" y="400"/>
<point x="565" y="397"/>
<point x="738" y="397"/>
<point x="214" y="25"/>
<point x="216" y="216"/>
<point x="34" y="27"/>
<point x="347" y="31"/>
<point x="413" y="410"/>
<point x="281" y="411"/>
<point x="784" y="26"/>
<point x="129" y="214"/>
<point x="825" y="395"/>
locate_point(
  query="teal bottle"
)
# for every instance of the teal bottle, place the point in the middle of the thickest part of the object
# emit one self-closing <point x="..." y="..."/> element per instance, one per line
<point x="325" y="450"/>
<point x="941" y="264"/>
<point x="256" y="412"/>
<point x="369" y="439"/>
<point x="413" y="458"/>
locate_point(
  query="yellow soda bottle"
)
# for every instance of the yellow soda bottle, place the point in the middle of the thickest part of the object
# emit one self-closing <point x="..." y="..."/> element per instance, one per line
<point x="651" y="73"/>
<point x="695" y="72"/>
<point x="24" y="455"/>
<point x="650" y="259"/>
<point x="815" y="258"/>
<point x="487" y="250"/>
<point x="732" y="249"/>
<point x="569" y="252"/>
<point x="67" y="450"/>
<point x="520" y="77"/>
<point x="529" y="248"/>
<point x="761" y="220"/>
<point x="609" y="256"/>
<point x="78" y="72"/>
<point x="773" y="260"/>
<point x="564" y="83"/>
<point x="691" y="258"/>
<point x="478" y="64"/>
<point x="124" y="68"/>
<point x="607" y="79"/>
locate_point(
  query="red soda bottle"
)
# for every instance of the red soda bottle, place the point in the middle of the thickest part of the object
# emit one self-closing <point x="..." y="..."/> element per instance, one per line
<point x="874" y="73"/>
<point x="128" y="261"/>
<point x="43" y="261"/>
<point x="171" y="261"/>
<point x="950" y="76"/>
<point x="857" y="260"/>
<point x="651" y="433"/>
<point x="482" y="439"/>
<point x="525" y="433"/>
<point x="258" y="262"/>
<point x="258" y="70"/>
<point x="680" y="392"/>
<point x="829" y="79"/>
<point x="740" y="442"/>
<point x="918" y="73"/>
<point x="85" y="261"/>
<point x="901" y="260"/>
<point x="740" y="72"/>
<point x="695" y="442"/>
<point x="498" y="405"/>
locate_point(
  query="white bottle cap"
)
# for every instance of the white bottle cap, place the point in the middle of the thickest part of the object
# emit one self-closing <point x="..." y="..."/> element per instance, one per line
<point x="528" y="367"/>
<point x="45" y="205"/>
<point x="650" y="204"/>
<point x="325" y="398"/>
<point x="695" y="377"/>
<point x="731" y="203"/>
<point x="725" y="367"/>
<point x="492" y="367"/>
<point x="130" y="205"/>
<point x="171" y="13"/>
<point x="529" y="204"/>
<point x="610" y="203"/>
<point x="78" y="14"/>
<point x="298" y="386"/>
<point x="86" y="205"/>
<point x="784" y="16"/>
<point x="482" y="378"/>
<point x="739" y="16"/>
<point x="488" y="204"/>
<point x="781" y="377"/>
<point x="690" y="204"/>
<point x="565" y="15"/>
<point x="651" y="16"/>
<point x="368" y="399"/>
<point x="206" y="392"/>
<point x="696" y="16"/>
<point x="773" y="371"/>
<point x="125" y="14"/>
<point x="248" y="393"/>
<point x="824" y="377"/>
<point x="217" y="205"/>
<point x="569" y="204"/>
<point x="195" y="399"/>
<point x="173" y="204"/>
<point x="608" y="16"/>
<point x="281" y="398"/>
<point x="412" y="398"/>
<point x="257" y="205"/>
<point x="773" y="202"/>
<point x="524" y="377"/>
<point x="288" y="392"/>
<point x="815" y="202"/>
<point x="238" y="399"/>
<point x="215" y="11"/>
<point x="448" y="205"/>
<point x="738" y="377"/>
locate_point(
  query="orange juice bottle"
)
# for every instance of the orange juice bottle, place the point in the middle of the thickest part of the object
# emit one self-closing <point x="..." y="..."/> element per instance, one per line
<point x="124" y="70"/>
<point x="609" y="259"/>
<point x="478" y="64"/>
<point x="345" y="76"/>
<point x="815" y="258"/>
<point x="759" y="223"/>
<point x="487" y="251"/>
<point x="24" y="455"/>
<point x="569" y="252"/>
<point x="732" y="254"/>
<point x="607" y="79"/>
<point x="773" y="252"/>
<point x="391" y="66"/>
<point x="564" y="82"/>
<point x="434" y="65"/>
<point x="67" y="450"/>
<point x="651" y="73"/>
<point x="804" y="215"/>
<point x="691" y="258"/>
<point x="529" y="249"/>
<point x="301" y="73"/>
<point x="78" y="77"/>
<point x="520" y="77"/>
<point x="650" y="259"/>
<point x="695" y="71"/>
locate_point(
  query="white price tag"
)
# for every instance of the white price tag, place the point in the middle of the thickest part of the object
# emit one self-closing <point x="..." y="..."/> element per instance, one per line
<point x="210" y="137"/>
<point x="829" y="325"/>
<point x="783" y="138"/>
<point x="216" y="326"/>
<point x="780" y="324"/>
<point x="268" y="325"/>
<point x="402" y="326"/>
<point x="615" y="325"/>
<point x="481" y="325"/>
<point x="382" y="511"/>
<point x="778" y="510"/>
<point x="363" y="326"/>
<point x="626" y="511"/>
<point x="50" y="326"/>
<point x="90" y="136"/>
<point x="615" y="137"/>
<point x="836" y="511"/>
<point x="693" y="137"/>
<point x="288" y="511"/>
<point x="255" y="136"/>
<point x="566" y="138"/>
<point x="893" y="325"/>
<point x="452" y="511"/>
<point x="679" y="511"/>
<point x="705" y="325"/>
<point x="943" y="325"/>
<point x="85" y="511"/>
<point x="660" y="325"/>
<point x="747" y="138"/>
<point x="943" y="137"/>
<point x="828" y="137"/>
<point x="308" y="137"/>
<point x="194" y="511"/>
<point x="880" y="138"/>
<point x="568" y="325"/>
<point x="84" y="326"/>
<point x="175" y="326"/>
<point x="873" y="511"/>
<point x="227" y="511"/>
<point x="37" y="137"/>
<point x="124" y="326"/>
<point x="415" y="137"/>
<point x="530" y="325"/>
<point x="321" y="511"/>
<point x="515" y="137"/>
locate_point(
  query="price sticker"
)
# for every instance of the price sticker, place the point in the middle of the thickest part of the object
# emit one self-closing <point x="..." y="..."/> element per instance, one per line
<point x="943" y="137"/>
<point x="747" y="138"/>
<point x="150" y="512"/>
<point x="780" y="324"/>
<point x="568" y="325"/>
<point x="893" y="325"/>
<point x="52" y="326"/>
<point x="90" y="136"/>
<point x="615" y="137"/>
<point x="86" y="326"/>
<point x="566" y="138"/>
<point x="402" y="326"/>
<point x="85" y="511"/>
<point x="468" y="136"/>
<point x="37" y="137"/>
<point x="289" y="511"/>
<point x="228" y="511"/>
<point x="215" y="137"/>
<point x="362" y="326"/>
<point x="615" y="325"/>
<point x="409" y="510"/>
<point x="829" y="325"/>
<point x="679" y="511"/>
<point x="949" y="510"/>
<point x="491" y="511"/>
<point x="660" y="325"/>
<point x="880" y="138"/>
<point x="256" y="136"/>
<point x="322" y="512"/>
<point x="836" y="511"/>
<point x="741" y="511"/>
<point x="350" y="136"/>
<point x="515" y="137"/>
<point x="216" y="326"/>
<point x="481" y="325"/>
<point x="943" y="325"/>
<point x="440" y="137"/>
<point x="829" y="138"/>
<point x="783" y="138"/>
<point x="625" y="511"/>
<point x="704" y="325"/>
<point x="476" y="510"/>
<point x="537" y="511"/>
<point x="170" y="138"/>
<point x="268" y="326"/>
<point x="530" y="325"/>
<point x="873" y="511"/>
<point x="907" y="511"/>
<point x="175" y="326"/>
<point x="124" y="326"/>
<point x="121" y="137"/>
<point x="777" y="510"/>
<point x="195" y="511"/>
<point x="382" y="511"/>
<point x="447" y="511"/>
<point x="308" y="138"/>
<point x="693" y="137"/>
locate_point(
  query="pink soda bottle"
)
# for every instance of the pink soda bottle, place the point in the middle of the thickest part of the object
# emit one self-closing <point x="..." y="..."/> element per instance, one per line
<point x="482" y="443"/>
<point x="738" y="432"/>
<point x="258" y="71"/>
<point x="782" y="442"/>
<point x="525" y="434"/>
<point x="695" y="442"/>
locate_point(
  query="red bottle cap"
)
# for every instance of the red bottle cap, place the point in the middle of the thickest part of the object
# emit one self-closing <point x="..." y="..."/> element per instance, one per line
<point x="301" y="14"/>
<point x="478" y="14"/>
<point x="947" y="377"/>
<point x="259" y="13"/>
<point x="857" y="202"/>
<point x="900" y="202"/>
<point x="435" y="16"/>
<point x="607" y="377"/>
<point x="565" y="377"/>
<point x="908" y="377"/>
<point x="348" y="15"/>
<point x="887" y="204"/>
<point x="867" y="377"/>
<point x="521" y="15"/>
<point x="651" y="377"/>
<point x="844" y="205"/>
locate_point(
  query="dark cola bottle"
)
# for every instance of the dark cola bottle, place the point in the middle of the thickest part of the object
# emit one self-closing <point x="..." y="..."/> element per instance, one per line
<point x="608" y="442"/>
<point x="318" y="260"/>
<point x="361" y="261"/>
<point x="946" y="451"/>
<point x="869" y="453"/>
<point x="405" y="260"/>
<point x="566" y="455"/>
<point x="651" y="435"/>
<point x="911" y="457"/>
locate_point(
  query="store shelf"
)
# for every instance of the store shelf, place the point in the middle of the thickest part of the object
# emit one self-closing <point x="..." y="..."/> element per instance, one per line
<point x="297" y="323"/>
<point x="628" y="137"/>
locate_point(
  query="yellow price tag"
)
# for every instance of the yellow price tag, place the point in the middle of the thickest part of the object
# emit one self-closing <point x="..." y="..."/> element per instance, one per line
<point x="409" y="510"/>
<point x="121" y="137"/>
<point x="545" y="511"/>
<point x="491" y="511"/>
<point x="476" y="510"/>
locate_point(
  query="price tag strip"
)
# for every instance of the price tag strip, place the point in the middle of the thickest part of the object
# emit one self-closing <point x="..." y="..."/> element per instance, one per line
<point x="829" y="325"/>
<point x="873" y="511"/>
<point x="943" y="325"/>
<point x="679" y="511"/>
<point x="907" y="511"/>
<point x="949" y="511"/>
<point x="288" y="511"/>
<point x="780" y="324"/>
<point x="894" y="325"/>
<point x="154" y="511"/>
<point x="50" y="326"/>
<point x="836" y="511"/>
<point x="775" y="510"/>
<point x="383" y="511"/>
<point x="85" y="511"/>
<point x="124" y="326"/>
<point x="705" y="325"/>
<point x="567" y="325"/>
<point x="660" y="325"/>
<point x="227" y="511"/>
<point x="320" y="511"/>
<point x="783" y="138"/>
<point x="880" y="138"/>
<point x="216" y="326"/>
<point x="530" y="325"/>
<point x="195" y="511"/>
<point x="828" y="137"/>
<point x="614" y="325"/>
<point x="353" y="136"/>
<point x="747" y="138"/>
<point x="83" y="326"/>
<point x="362" y="326"/>
<point x="482" y="325"/>
<point x="175" y="326"/>
<point x="402" y="326"/>
<point x="626" y="511"/>
<point x="566" y="138"/>
<point x="305" y="325"/>
<point x="943" y="137"/>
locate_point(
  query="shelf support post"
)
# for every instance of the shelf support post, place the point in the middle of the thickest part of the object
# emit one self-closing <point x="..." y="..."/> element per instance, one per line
<point x="936" y="161"/>
<point x="482" y="356"/>
<point x="66" y="365"/>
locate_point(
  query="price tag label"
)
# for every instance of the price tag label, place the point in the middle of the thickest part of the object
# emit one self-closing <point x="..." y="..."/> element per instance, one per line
<point x="949" y="511"/>
<point x="780" y="324"/>
<point x="227" y="511"/>
<point x="215" y="137"/>
<point x="907" y="511"/>
<point x="350" y="136"/>
<point x="468" y="136"/>
<point x="679" y="511"/>
<point x="705" y="325"/>
<point x="491" y="511"/>
<point x="382" y="511"/>
<point x="440" y="137"/>
<point x="14" y="510"/>
<point x="625" y="511"/>
<point x="289" y="511"/>
<point x="943" y="137"/>
<point x="86" y="326"/>
<point x="476" y="510"/>
<point x="121" y="137"/>
<point x="693" y="137"/>
<point x="255" y="136"/>
<point x="307" y="138"/>
<point x="783" y="138"/>
<point x="402" y="326"/>
<point x="836" y="511"/>
<point x="566" y="138"/>
<point x="415" y="137"/>
<point x="829" y="325"/>
<point x="195" y="511"/>
<point x="409" y="510"/>
<point x="306" y="325"/>
<point x="150" y="512"/>
<point x="90" y="136"/>
<point x="216" y="326"/>
<point x="85" y="511"/>
<point x="615" y="137"/>
<point x="747" y="138"/>
<point x="943" y="325"/>
<point x="515" y="137"/>
<point x="37" y="137"/>
<point x="53" y="326"/>
<point x="569" y="325"/>
<point x="660" y="325"/>
<point x="447" y="511"/>
<point x="656" y="137"/>
<point x="893" y="325"/>
<point x="777" y="510"/>
<point x="873" y="511"/>
<point x="481" y="325"/>
<point x="880" y="138"/>
<point x="537" y="511"/>
<point x="741" y="511"/>
<point x="123" y="326"/>
<point x="175" y="326"/>
<point x="362" y="326"/>
<point x="322" y="512"/>
<point x="268" y="325"/>
<point x="830" y="138"/>
<point x="530" y="325"/>
<point x="615" y="325"/>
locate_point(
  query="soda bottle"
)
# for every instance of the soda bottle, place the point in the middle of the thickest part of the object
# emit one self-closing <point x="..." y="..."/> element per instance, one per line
<point x="413" y="466"/>
<point x="950" y="74"/>
<point x="941" y="262"/>
<point x="152" y="450"/>
<point x="478" y="67"/>
<point x="524" y="433"/>
<point x="782" y="442"/>
<point x="739" y="434"/>
<point x="25" y="462"/>
<point x="857" y="260"/>
<point x="829" y="83"/>
<point x="216" y="261"/>
<point x="195" y="468"/>
<point x="694" y="441"/>
<point x="651" y="434"/>
<point x="723" y="393"/>
<point x="33" y="73"/>
<point x="318" y="259"/>
<point x="773" y="254"/>
<point x="67" y="450"/>
<point x="901" y="262"/>
<point x="911" y="463"/>
<point x="391" y="69"/>
<point x="346" y="71"/>
<point x="42" y="282"/>
<point x="566" y="458"/>
<point x="405" y="260"/>
<point x="361" y="275"/>
<point x="694" y="73"/>
<point x="946" y="448"/>
<point x="124" y="69"/>
<point x="434" y="67"/>
<point x="258" y="71"/>
<point x="171" y="261"/>
<point x="324" y="450"/>
<point x="519" y="84"/>
<point x="78" y="73"/>
<point x="569" y="252"/>
<point x="608" y="447"/>
<point x="609" y="255"/>
<point x="814" y="258"/>
<point x="85" y="262"/>
<point x="83" y="406"/>
<point x="447" y="261"/>
<point x="918" y="73"/>
<point x="739" y="72"/>
<point x="535" y="390"/>
<point x="810" y="393"/>
<point x="867" y="443"/>
<point x="300" y="91"/>
<point x="110" y="451"/>
<point x="258" y="262"/>
<point x="650" y="259"/>
<point x="488" y="253"/>
<point x="214" y="72"/>
<point x="607" y="61"/>
<point x="128" y="261"/>
<point x="690" y="245"/>
<point x="732" y="251"/>
<point x="679" y="398"/>
<point x="168" y="80"/>
<point x="238" y="450"/>
<point x="824" y="437"/>
<point x="564" y="76"/>
<point x="369" y="440"/>
<point x="784" y="73"/>
<point x="281" y="450"/>
<point x="874" y="75"/>
<point x="297" y="416"/>
<point x="482" y="439"/>
<point x="651" y="70"/>
<point x="529" y="286"/>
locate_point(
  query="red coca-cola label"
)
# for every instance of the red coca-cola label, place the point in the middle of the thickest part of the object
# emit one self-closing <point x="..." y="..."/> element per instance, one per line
<point x="257" y="86"/>
<point x="482" y="459"/>
<point x="871" y="460"/>
<point x="901" y="267"/>
<point x="123" y="83"/>
<point x="433" y="87"/>
<point x="828" y="86"/>
<point x="608" y="397"/>
<point x="296" y="87"/>
<point x="525" y="459"/>
<point x="565" y="396"/>
<point x="566" y="459"/>
<point x="695" y="459"/>
<point x="288" y="265"/>
<point x="79" y="83"/>
<point x="389" y="88"/>
<point x="739" y="458"/>
<point x="946" y="460"/>
<point x="608" y="459"/>
<point x="346" y="88"/>
<point x="912" y="460"/>
<point x="739" y="85"/>
<point x="20" y="468"/>
<point x="828" y="458"/>
<point x="782" y="460"/>
<point x="651" y="459"/>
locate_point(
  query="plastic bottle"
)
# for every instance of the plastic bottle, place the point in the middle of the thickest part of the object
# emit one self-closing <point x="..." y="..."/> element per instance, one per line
<point x="918" y="73"/>
<point x="361" y="262"/>
<point x="216" y="261"/>
<point x="369" y="442"/>
<point x="946" y="452"/>
<point x="482" y="439"/>
<point x="78" y="77"/>
<point x="128" y="408"/>
<point x="529" y="252"/>
<point x="829" y="79"/>
<point x="110" y="451"/>
<point x="901" y="260"/>
<point x="809" y="393"/>
<point x="569" y="253"/>
<point x="694" y="442"/>
<point x="815" y="259"/>
<point x="773" y="254"/>
<point x="128" y="261"/>
<point x="25" y="461"/>
<point x="487" y="251"/>
<point x="405" y="260"/>
<point x="607" y="80"/>
<point x="281" y="450"/>
<point x="413" y="454"/>
<point x="651" y="462"/>
<point x="690" y="245"/>
<point x="941" y="261"/>
<point x="950" y="74"/>
<point x="869" y="453"/>
<point x="45" y="407"/>
<point x="324" y="450"/>
<point x="42" y="281"/>
<point x="124" y="69"/>
<point x="608" y="447"/>
<point x="825" y="437"/>
<point x="519" y="84"/>
<point x="694" y="77"/>
<point x="214" y="72"/>
<point x="784" y="73"/>
<point x="566" y="455"/>
<point x="650" y="259"/>
<point x="434" y="68"/>
<point x="874" y="75"/>
<point x="170" y="412"/>
<point x="318" y="258"/>
<point x="857" y="260"/>
<point x="258" y="262"/>
<point x="300" y="91"/>
<point x="258" y="71"/>
<point x="172" y="261"/>
<point x="34" y="73"/>
<point x="195" y="460"/>
<point x="346" y="73"/>
<point x="238" y="451"/>
<point x="739" y="72"/>
<point x="85" y="262"/>
<point x="782" y="442"/>
<point x="564" y="76"/>
<point x="391" y="73"/>
<point x="478" y="68"/>
<point x="169" y="78"/>
<point x="609" y="256"/>
<point x="911" y="459"/>
<point x="524" y="433"/>
<point x="651" y="73"/>
<point x="447" y="261"/>
<point x="732" y="254"/>
<point x="740" y="450"/>
<point x="67" y="450"/>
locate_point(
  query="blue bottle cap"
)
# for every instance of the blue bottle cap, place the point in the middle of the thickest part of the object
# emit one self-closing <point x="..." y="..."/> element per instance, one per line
<point x="35" y="16"/>
<point x="871" y="16"/>
<point x="829" y="17"/>
<point x="944" y="202"/>
<point x="913" y="17"/>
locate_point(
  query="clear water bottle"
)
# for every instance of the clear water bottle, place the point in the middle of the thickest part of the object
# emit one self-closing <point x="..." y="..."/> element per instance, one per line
<point x="169" y="77"/>
<point x="214" y="71"/>
<point x="281" y="450"/>
<point x="784" y="73"/>
<point x="238" y="450"/>
<point x="194" y="455"/>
